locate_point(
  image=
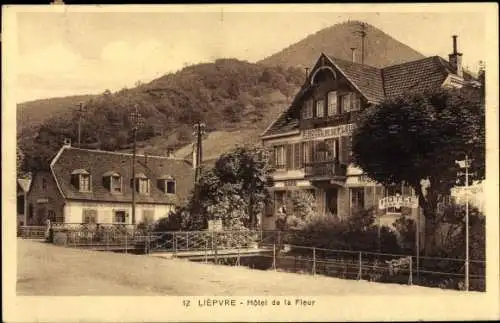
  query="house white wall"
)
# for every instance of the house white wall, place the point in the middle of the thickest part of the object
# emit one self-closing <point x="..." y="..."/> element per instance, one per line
<point x="73" y="211"/>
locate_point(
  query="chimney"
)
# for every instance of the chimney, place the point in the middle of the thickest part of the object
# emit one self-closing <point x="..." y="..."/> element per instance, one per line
<point x="455" y="59"/>
<point x="307" y="73"/>
<point x="353" y="53"/>
<point x="170" y="153"/>
<point x="67" y="142"/>
<point x="195" y="157"/>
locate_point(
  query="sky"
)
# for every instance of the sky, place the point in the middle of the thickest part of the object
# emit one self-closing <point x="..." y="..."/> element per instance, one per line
<point x="72" y="52"/>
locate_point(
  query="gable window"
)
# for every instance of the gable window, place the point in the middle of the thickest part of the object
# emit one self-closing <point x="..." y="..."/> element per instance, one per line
<point x="142" y="183"/>
<point x="89" y="216"/>
<point x="280" y="156"/>
<point x="345" y="103"/>
<point x="355" y="102"/>
<point x="332" y="103"/>
<point x="81" y="179"/>
<point x="307" y="109"/>
<point x="320" y="108"/>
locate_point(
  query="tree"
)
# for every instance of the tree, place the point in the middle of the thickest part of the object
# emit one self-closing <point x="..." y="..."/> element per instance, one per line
<point x="418" y="138"/>
<point x="234" y="190"/>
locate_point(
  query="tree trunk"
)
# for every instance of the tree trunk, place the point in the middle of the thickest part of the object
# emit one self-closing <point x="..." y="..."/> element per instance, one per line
<point x="430" y="230"/>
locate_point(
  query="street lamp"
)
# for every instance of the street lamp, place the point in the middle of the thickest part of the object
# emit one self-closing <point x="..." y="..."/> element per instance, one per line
<point x="465" y="164"/>
<point x="137" y="121"/>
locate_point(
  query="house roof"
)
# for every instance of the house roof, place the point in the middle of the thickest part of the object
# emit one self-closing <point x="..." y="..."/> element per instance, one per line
<point x="24" y="184"/>
<point x="375" y="84"/>
<point x="102" y="163"/>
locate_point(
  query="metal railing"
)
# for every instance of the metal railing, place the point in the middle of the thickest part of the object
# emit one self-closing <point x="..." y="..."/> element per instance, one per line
<point x="32" y="232"/>
<point x="326" y="169"/>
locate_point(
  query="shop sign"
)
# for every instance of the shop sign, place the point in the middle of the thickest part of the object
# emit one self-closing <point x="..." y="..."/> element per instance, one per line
<point x="329" y="132"/>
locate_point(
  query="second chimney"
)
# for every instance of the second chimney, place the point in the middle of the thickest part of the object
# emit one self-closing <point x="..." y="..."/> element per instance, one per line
<point x="455" y="59"/>
<point x="353" y="53"/>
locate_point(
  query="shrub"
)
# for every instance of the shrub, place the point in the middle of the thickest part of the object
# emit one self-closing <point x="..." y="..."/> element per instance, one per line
<point x="60" y="238"/>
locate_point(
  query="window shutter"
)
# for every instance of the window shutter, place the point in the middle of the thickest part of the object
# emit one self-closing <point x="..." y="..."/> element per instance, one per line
<point x="344" y="150"/>
<point x="300" y="148"/>
<point x="289" y="156"/>
<point x="272" y="157"/>
<point x="296" y="155"/>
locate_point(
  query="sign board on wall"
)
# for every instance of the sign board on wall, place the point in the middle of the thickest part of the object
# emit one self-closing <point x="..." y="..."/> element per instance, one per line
<point x="398" y="201"/>
<point x="329" y="132"/>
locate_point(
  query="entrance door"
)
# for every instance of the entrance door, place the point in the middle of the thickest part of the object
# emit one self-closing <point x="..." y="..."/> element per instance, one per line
<point x="41" y="215"/>
<point x="331" y="201"/>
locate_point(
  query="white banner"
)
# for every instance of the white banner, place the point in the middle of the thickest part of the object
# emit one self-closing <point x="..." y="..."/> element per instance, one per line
<point x="398" y="201"/>
<point x="330" y="132"/>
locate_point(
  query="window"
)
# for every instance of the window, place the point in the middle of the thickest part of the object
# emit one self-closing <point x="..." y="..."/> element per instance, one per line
<point x="355" y="102"/>
<point x="84" y="182"/>
<point x="116" y="184"/>
<point x="345" y="103"/>
<point x="143" y="185"/>
<point x="171" y="187"/>
<point x="307" y="109"/>
<point x="89" y="216"/>
<point x="320" y="108"/>
<point x="332" y="103"/>
<point x="120" y="217"/>
<point x="358" y="198"/>
<point x="279" y="156"/>
<point x="306" y="147"/>
<point x="148" y="216"/>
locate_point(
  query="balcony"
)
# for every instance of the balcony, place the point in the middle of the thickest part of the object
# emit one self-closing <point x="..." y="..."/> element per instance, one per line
<point x="324" y="170"/>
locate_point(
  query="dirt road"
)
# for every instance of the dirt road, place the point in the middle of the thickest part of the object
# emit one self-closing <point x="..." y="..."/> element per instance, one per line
<point x="45" y="269"/>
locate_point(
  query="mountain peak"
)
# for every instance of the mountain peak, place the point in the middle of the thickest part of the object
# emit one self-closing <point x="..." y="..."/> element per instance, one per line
<point x="380" y="49"/>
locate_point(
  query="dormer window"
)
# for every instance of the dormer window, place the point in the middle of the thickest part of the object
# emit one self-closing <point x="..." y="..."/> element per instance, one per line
<point x="167" y="184"/>
<point x="142" y="183"/>
<point x="320" y="108"/>
<point x="113" y="182"/>
<point x="81" y="179"/>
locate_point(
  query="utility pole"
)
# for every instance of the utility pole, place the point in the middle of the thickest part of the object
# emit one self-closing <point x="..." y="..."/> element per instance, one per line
<point x="136" y="123"/>
<point x="466" y="165"/>
<point x="81" y="110"/>
<point x="199" y="133"/>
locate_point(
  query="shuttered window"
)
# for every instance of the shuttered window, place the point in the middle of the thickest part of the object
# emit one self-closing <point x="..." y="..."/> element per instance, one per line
<point x="355" y="102"/>
<point x="289" y="156"/>
<point x="344" y="150"/>
<point x="320" y="108"/>
<point x="296" y="156"/>
<point x="279" y="156"/>
<point x="332" y="103"/>
<point x="306" y="148"/>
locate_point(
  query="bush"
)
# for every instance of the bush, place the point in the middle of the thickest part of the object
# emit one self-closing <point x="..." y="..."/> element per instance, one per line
<point x="356" y="233"/>
<point x="60" y="238"/>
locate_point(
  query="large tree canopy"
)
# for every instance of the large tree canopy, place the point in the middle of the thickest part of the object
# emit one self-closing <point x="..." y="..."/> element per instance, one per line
<point x="418" y="138"/>
<point x="234" y="190"/>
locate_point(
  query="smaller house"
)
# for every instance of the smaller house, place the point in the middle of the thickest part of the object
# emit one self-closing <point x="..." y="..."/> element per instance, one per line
<point x="22" y="188"/>
<point x="95" y="186"/>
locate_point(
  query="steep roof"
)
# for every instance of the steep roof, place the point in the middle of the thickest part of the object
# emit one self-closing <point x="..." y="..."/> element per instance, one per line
<point x="24" y="184"/>
<point x="103" y="163"/>
<point x="376" y="84"/>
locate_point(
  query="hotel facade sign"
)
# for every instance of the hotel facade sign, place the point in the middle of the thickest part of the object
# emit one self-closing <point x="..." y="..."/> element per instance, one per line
<point x="398" y="201"/>
<point x="329" y="132"/>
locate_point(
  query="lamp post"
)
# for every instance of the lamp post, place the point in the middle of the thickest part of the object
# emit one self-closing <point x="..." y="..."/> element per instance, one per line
<point x="465" y="164"/>
<point x="137" y="121"/>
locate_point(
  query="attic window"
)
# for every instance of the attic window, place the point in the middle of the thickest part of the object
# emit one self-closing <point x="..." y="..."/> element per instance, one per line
<point x="142" y="183"/>
<point x="307" y="109"/>
<point x="81" y="179"/>
<point x="113" y="182"/>
<point x="167" y="184"/>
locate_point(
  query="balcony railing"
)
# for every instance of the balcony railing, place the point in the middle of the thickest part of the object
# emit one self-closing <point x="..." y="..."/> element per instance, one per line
<point x="325" y="169"/>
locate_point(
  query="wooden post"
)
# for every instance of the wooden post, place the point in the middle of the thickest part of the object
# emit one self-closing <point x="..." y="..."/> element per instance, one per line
<point x="410" y="278"/>
<point x="206" y="250"/>
<point x="314" y="262"/>
<point x="274" y="256"/>
<point x="360" y="273"/>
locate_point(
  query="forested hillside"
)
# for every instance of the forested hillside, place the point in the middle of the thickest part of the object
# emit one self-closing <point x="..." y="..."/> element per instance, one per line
<point x="227" y="94"/>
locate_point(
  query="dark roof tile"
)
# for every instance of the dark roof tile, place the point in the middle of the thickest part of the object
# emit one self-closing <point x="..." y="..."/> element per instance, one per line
<point x="102" y="163"/>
